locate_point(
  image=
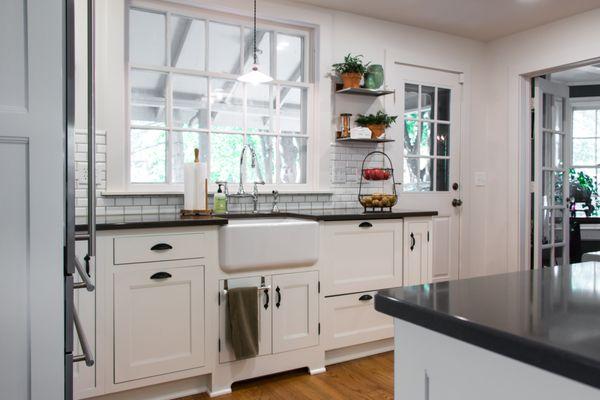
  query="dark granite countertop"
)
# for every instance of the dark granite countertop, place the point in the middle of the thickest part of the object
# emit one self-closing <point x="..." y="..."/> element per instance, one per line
<point x="141" y="221"/>
<point x="173" y="220"/>
<point x="547" y="318"/>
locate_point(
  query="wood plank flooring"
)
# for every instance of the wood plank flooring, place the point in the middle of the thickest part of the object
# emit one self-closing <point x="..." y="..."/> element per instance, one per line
<point x="370" y="378"/>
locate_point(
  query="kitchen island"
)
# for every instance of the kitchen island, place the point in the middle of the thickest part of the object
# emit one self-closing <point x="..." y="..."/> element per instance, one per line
<point x="524" y="335"/>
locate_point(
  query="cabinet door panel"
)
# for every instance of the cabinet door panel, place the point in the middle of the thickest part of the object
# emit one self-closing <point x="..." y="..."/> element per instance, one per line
<point x="296" y="319"/>
<point x="362" y="255"/>
<point x="442" y="251"/>
<point x="159" y="323"/>
<point x="417" y="252"/>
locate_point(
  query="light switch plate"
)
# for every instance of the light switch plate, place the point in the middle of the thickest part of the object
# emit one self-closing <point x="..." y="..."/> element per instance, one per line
<point x="480" y="179"/>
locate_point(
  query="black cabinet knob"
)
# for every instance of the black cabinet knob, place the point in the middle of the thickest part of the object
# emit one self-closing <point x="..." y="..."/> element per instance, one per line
<point x="365" y="297"/>
<point x="161" y="275"/>
<point x="161" y="246"/>
<point x="365" y="225"/>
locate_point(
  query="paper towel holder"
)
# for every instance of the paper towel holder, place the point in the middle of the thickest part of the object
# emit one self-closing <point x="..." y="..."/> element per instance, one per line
<point x="206" y="210"/>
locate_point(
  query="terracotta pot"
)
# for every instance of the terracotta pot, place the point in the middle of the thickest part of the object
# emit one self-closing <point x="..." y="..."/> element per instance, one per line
<point x="351" y="80"/>
<point x="376" y="130"/>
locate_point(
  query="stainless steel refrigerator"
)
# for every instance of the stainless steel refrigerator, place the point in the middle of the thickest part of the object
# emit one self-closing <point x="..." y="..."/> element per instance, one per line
<point x="76" y="271"/>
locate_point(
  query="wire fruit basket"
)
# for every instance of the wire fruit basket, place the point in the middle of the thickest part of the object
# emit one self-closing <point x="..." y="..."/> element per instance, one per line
<point x="380" y="198"/>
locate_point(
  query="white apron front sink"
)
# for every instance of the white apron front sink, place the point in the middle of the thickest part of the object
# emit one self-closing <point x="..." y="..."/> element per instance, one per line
<point x="268" y="243"/>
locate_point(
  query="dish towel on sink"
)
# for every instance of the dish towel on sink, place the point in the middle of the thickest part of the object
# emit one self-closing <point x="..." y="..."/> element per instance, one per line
<point x="243" y="321"/>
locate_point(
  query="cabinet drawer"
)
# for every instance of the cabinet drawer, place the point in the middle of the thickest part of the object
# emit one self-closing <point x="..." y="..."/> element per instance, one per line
<point x="150" y="248"/>
<point x="362" y="255"/>
<point x="352" y="319"/>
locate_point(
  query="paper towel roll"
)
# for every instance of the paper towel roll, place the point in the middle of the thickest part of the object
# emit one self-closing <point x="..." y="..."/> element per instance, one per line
<point x="194" y="191"/>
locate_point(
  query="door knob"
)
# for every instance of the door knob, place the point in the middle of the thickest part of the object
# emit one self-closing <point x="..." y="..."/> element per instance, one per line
<point x="457" y="202"/>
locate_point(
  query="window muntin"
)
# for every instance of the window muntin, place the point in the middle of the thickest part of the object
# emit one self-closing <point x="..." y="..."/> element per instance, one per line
<point x="191" y="96"/>
<point x="426" y="138"/>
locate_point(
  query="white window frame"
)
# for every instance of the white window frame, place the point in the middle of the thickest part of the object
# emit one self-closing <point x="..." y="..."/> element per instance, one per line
<point x="244" y="22"/>
<point x="583" y="103"/>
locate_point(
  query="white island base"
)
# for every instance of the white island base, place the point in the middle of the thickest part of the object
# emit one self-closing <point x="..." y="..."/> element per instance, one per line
<point x="433" y="366"/>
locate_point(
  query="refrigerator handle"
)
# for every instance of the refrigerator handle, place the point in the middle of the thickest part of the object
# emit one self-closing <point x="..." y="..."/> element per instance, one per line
<point x="91" y="128"/>
<point x="87" y="355"/>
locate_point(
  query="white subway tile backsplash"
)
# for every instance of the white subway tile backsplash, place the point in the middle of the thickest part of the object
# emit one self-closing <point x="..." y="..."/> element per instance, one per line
<point x="141" y="201"/>
<point x="123" y="201"/>
<point x="347" y="157"/>
<point x="159" y="201"/>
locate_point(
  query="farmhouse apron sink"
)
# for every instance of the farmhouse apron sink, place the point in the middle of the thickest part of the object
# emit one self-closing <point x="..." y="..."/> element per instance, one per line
<point x="268" y="243"/>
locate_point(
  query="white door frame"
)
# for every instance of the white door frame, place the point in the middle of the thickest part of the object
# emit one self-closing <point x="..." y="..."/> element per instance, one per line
<point x="519" y="213"/>
<point x="440" y="63"/>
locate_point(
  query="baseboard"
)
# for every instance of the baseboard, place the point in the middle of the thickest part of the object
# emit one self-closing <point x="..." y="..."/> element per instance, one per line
<point x="218" y="393"/>
<point x="162" y="391"/>
<point x="359" y="351"/>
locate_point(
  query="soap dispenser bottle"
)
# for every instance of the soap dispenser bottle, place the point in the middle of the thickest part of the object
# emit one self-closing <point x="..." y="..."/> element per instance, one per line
<point x="220" y="201"/>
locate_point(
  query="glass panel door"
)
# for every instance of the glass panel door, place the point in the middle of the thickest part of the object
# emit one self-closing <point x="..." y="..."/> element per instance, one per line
<point x="551" y="219"/>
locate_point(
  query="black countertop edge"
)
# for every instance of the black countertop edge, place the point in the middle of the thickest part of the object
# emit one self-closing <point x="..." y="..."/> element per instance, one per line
<point x="544" y="356"/>
<point x="367" y="216"/>
<point x="174" y="220"/>
<point x="141" y="224"/>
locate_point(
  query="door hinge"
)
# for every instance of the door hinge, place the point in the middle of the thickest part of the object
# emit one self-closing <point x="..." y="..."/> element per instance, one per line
<point x="532" y="103"/>
<point x="219" y="345"/>
<point x="461" y="78"/>
<point x="219" y="298"/>
<point x="319" y="287"/>
<point x="319" y="328"/>
<point x="428" y="236"/>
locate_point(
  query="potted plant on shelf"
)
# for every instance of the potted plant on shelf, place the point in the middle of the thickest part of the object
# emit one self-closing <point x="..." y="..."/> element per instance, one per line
<point x="377" y="123"/>
<point x="351" y="70"/>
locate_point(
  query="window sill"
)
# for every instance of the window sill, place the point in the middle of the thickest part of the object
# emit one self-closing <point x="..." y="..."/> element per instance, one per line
<point x="180" y="193"/>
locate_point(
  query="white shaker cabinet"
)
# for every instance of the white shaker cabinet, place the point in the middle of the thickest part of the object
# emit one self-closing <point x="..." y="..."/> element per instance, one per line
<point x="352" y="319"/>
<point x="158" y="321"/>
<point x="417" y="251"/>
<point x="359" y="256"/>
<point x="288" y="308"/>
<point x="295" y="311"/>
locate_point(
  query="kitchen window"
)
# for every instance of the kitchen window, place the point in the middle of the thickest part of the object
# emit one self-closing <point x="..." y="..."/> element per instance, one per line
<point x="183" y="94"/>
<point x="586" y="138"/>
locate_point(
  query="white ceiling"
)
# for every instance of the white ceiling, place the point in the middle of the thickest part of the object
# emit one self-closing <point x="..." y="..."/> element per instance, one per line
<point x="476" y="19"/>
<point x="589" y="74"/>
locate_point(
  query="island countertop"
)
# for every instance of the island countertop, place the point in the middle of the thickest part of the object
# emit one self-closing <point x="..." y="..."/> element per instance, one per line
<point x="142" y="221"/>
<point x="547" y="318"/>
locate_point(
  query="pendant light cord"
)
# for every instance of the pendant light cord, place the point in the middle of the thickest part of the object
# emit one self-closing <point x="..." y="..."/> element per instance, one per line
<point x="255" y="56"/>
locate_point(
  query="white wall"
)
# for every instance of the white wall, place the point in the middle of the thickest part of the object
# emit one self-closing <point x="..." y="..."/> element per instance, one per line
<point x="563" y="42"/>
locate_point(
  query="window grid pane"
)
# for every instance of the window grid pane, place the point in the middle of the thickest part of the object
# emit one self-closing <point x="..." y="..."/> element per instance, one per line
<point x="181" y="111"/>
<point x="426" y="139"/>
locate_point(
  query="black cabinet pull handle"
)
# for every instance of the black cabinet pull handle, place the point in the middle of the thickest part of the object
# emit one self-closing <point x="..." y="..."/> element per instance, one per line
<point x="365" y="225"/>
<point x="267" y="299"/>
<point x="161" y="275"/>
<point x="161" y="246"/>
<point x="365" y="297"/>
<point x="278" y="297"/>
<point x="414" y="241"/>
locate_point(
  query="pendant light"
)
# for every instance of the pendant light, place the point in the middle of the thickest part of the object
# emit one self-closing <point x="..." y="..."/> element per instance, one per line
<point x="255" y="76"/>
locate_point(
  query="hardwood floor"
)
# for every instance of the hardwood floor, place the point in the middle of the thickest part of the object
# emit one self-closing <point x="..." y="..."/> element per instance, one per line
<point x="366" y="378"/>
